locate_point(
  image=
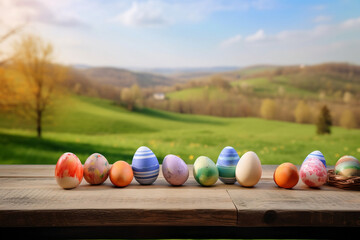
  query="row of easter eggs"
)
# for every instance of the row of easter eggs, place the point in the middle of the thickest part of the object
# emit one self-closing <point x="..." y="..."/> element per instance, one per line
<point x="229" y="168"/>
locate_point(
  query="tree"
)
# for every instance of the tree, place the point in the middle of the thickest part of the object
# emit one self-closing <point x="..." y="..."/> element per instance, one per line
<point x="348" y="119"/>
<point x="324" y="121"/>
<point x="6" y="85"/>
<point x="41" y="79"/>
<point x="219" y="82"/>
<point x="347" y="97"/>
<point x="302" y="113"/>
<point x="131" y="97"/>
<point x="268" y="109"/>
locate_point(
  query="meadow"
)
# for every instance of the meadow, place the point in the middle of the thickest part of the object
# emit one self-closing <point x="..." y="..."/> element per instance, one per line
<point x="84" y="125"/>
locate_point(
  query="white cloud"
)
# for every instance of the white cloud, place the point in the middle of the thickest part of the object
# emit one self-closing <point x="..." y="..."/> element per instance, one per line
<point x="231" y="41"/>
<point x="17" y="12"/>
<point x="143" y="14"/>
<point x="322" y="18"/>
<point x="295" y="36"/>
<point x="161" y="12"/>
<point x="258" y="36"/>
<point x="351" y="23"/>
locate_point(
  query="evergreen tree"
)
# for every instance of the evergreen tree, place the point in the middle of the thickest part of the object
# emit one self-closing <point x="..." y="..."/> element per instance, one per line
<point x="324" y="121"/>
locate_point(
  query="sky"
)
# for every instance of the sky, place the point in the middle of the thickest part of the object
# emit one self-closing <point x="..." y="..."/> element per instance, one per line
<point x="196" y="33"/>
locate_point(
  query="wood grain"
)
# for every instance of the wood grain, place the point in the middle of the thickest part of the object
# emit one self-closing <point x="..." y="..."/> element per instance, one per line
<point x="30" y="197"/>
<point x="268" y="205"/>
<point x="27" y="200"/>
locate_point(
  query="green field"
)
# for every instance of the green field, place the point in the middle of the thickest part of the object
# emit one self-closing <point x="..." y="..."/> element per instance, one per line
<point x="260" y="87"/>
<point x="87" y="125"/>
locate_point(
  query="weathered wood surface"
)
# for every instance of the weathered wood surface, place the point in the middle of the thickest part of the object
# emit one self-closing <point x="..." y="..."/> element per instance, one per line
<point x="30" y="197"/>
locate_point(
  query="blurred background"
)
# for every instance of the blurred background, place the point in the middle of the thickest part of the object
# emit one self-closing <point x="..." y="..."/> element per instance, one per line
<point x="281" y="78"/>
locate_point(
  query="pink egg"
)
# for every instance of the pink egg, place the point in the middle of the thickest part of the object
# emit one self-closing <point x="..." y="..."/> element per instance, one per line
<point x="96" y="169"/>
<point x="313" y="173"/>
<point x="68" y="171"/>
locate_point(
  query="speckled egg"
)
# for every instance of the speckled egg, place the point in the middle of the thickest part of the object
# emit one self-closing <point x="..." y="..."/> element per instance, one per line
<point x="347" y="166"/>
<point x="96" y="168"/>
<point x="68" y="171"/>
<point x="248" y="170"/>
<point x="226" y="165"/>
<point x="286" y="175"/>
<point x="205" y="171"/>
<point x="175" y="170"/>
<point x="313" y="172"/>
<point x="145" y="166"/>
<point x="121" y="174"/>
<point x="316" y="154"/>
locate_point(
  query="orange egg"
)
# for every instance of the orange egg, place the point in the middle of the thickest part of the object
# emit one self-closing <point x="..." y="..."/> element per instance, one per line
<point x="286" y="175"/>
<point x="121" y="174"/>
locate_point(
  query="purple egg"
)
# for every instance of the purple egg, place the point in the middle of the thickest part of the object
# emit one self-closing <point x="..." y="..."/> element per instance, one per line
<point x="175" y="170"/>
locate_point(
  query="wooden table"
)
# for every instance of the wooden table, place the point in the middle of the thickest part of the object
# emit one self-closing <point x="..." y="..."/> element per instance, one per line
<point x="32" y="204"/>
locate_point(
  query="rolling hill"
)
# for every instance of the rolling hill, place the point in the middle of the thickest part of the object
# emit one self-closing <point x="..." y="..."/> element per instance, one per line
<point x="124" y="78"/>
<point x="86" y="125"/>
<point x="331" y="79"/>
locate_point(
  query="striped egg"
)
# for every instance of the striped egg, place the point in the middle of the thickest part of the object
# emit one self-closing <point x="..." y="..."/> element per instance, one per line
<point x="226" y="165"/>
<point x="347" y="166"/>
<point x="145" y="166"/>
<point x="316" y="154"/>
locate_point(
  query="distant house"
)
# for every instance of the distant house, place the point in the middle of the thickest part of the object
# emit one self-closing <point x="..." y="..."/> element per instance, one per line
<point x="159" y="96"/>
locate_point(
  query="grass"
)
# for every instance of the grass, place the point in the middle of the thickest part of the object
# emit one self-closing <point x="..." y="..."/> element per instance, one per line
<point x="261" y="87"/>
<point x="89" y="125"/>
<point x="197" y="93"/>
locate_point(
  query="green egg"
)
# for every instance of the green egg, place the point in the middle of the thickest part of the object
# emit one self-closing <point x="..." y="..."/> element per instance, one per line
<point x="347" y="166"/>
<point x="205" y="171"/>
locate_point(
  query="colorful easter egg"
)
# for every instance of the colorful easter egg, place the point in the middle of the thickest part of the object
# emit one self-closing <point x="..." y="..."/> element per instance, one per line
<point x="316" y="154"/>
<point x="175" y="170"/>
<point x="205" y="171"/>
<point x="313" y="172"/>
<point x="347" y="166"/>
<point x="121" y="174"/>
<point x="248" y="170"/>
<point x="96" y="168"/>
<point x="145" y="166"/>
<point x="286" y="175"/>
<point x="68" y="171"/>
<point x="226" y="165"/>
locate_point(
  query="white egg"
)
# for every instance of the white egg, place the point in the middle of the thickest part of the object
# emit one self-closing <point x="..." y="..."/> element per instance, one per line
<point x="248" y="170"/>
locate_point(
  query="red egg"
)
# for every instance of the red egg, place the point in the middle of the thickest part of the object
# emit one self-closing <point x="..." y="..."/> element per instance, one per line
<point x="286" y="175"/>
<point x="313" y="172"/>
<point x="68" y="171"/>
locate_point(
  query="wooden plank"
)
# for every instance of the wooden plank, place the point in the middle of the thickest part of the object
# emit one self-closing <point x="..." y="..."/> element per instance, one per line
<point x="180" y="232"/>
<point x="40" y="202"/>
<point x="31" y="191"/>
<point x="267" y="205"/>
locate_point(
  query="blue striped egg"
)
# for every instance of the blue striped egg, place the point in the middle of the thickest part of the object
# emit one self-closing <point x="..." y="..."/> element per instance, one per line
<point x="226" y="165"/>
<point x="316" y="154"/>
<point x="145" y="166"/>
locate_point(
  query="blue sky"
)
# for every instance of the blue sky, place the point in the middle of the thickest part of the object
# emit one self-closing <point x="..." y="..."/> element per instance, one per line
<point x="203" y="33"/>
